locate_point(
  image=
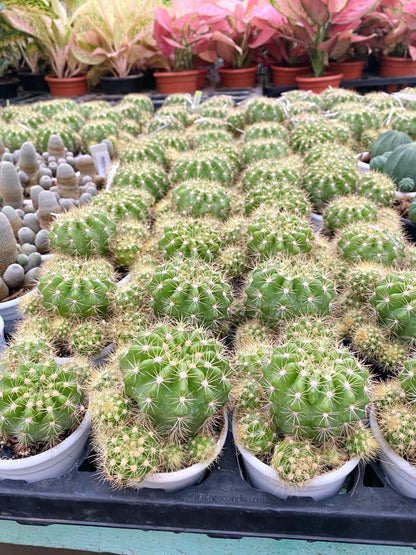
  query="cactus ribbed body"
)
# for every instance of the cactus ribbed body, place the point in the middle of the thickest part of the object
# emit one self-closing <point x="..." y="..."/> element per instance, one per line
<point x="265" y="130"/>
<point x="143" y="150"/>
<point x="315" y="389"/>
<point x="346" y="210"/>
<point x="198" y="198"/>
<point x="279" y="290"/>
<point x="190" y="238"/>
<point x="285" y="169"/>
<point x="179" y="378"/>
<point x="75" y="288"/>
<point x="296" y="461"/>
<point x="256" y="433"/>
<point x="376" y="186"/>
<point x="264" y="149"/>
<point x="265" y="109"/>
<point x="85" y="232"/>
<point x="206" y="165"/>
<point x="40" y="400"/>
<point x="147" y="175"/>
<point x="190" y="291"/>
<point x="369" y="242"/>
<point x="269" y="234"/>
<point x="395" y="302"/>
<point x="122" y="204"/>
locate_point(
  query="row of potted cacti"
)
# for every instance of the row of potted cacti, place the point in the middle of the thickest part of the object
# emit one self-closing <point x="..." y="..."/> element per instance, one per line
<point x="121" y="39"/>
<point x="212" y="218"/>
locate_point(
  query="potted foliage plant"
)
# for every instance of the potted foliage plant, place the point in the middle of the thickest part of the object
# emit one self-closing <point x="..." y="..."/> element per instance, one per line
<point x="33" y="67"/>
<point x="286" y="58"/>
<point x="182" y="34"/>
<point x="325" y="30"/>
<point x="115" y="38"/>
<point x="53" y="34"/>
<point x="392" y="27"/>
<point x="14" y="26"/>
<point x="237" y="39"/>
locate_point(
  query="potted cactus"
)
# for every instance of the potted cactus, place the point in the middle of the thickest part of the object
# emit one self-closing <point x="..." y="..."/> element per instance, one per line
<point x="44" y="424"/>
<point x="300" y="406"/>
<point x="157" y="408"/>
<point x="393" y="420"/>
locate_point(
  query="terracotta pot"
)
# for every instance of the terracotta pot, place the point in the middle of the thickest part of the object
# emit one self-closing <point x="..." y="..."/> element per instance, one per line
<point x="202" y="77"/>
<point x="170" y="82"/>
<point x="283" y="75"/>
<point x="349" y="70"/>
<point x="71" y="86"/>
<point x="397" y="67"/>
<point x="238" y="78"/>
<point x="318" y="84"/>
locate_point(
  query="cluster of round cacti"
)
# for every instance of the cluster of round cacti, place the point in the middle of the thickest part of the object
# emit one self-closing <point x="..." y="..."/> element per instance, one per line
<point x="210" y="210"/>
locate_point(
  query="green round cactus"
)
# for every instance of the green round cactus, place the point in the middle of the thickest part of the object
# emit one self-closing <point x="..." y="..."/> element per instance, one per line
<point x="264" y="149"/>
<point x="87" y="338"/>
<point x="179" y="378"/>
<point x="71" y="140"/>
<point x="143" y="150"/>
<point x="190" y="238"/>
<point x="296" y="461"/>
<point x="376" y="186"/>
<point x="357" y="118"/>
<point x="395" y="302"/>
<point x="345" y="210"/>
<point x="308" y="130"/>
<point x="124" y="203"/>
<point x="129" y="242"/>
<point x="324" y="179"/>
<point x="265" y="130"/>
<point x="361" y="242"/>
<point x="85" y="233"/>
<point x="265" y="109"/>
<point x="70" y="287"/>
<point x="285" y="169"/>
<point x="282" y="289"/>
<point x="199" y="198"/>
<point x="205" y="165"/>
<point x="279" y="196"/>
<point x="315" y="389"/>
<point x="191" y="291"/>
<point x="95" y="130"/>
<point x="256" y="433"/>
<point x="270" y="234"/>
<point x="42" y="400"/>
<point x="144" y="174"/>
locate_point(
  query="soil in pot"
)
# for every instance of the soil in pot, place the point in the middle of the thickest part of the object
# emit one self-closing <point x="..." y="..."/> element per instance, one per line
<point x="122" y="85"/>
<point x="318" y="84"/>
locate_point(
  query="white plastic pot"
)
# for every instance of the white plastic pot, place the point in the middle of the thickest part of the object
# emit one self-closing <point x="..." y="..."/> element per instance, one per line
<point x="263" y="477"/>
<point x="173" y="481"/>
<point x="2" y="339"/>
<point x="400" y="474"/>
<point x="51" y="463"/>
<point x="9" y="311"/>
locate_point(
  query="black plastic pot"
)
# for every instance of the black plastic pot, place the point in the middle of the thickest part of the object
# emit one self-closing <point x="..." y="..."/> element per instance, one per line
<point x="122" y="85"/>
<point x="8" y="87"/>
<point x="33" y="82"/>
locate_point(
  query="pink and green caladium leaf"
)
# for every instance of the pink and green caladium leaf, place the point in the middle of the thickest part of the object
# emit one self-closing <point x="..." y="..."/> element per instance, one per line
<point x="316" y="10"/>
<point x="352" y="11"/>
<point x="264" y="36"/>
<point x="338" y="45"/>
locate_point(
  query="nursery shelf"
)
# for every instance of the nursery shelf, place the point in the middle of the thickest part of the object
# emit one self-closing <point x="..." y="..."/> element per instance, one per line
<point x="224" y="505"/>
<point x="365" y="84"/>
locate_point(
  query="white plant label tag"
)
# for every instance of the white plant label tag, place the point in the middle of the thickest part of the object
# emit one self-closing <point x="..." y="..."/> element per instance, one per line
<point x="101" y="158"/>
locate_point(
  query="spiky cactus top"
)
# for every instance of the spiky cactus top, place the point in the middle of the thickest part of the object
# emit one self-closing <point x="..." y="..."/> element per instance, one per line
<point x="71" y="287"/>
<point x="199" y="198"/>
<point x="146" y="174"/>
<point x="179" y="377"/>
<point x="84" y="233"/>
<point x="316" y="390"/>
<point x="282" y="289"/>
<point x="190" y="290"/>
<point x="345" y="210"/>
<point x="210" y="165"/>
<point x="39" y="401"/>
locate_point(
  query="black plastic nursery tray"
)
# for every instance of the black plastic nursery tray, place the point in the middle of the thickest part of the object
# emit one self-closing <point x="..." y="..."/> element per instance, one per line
<point x="366" y="510"/>
<point x="366" y="84"/>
